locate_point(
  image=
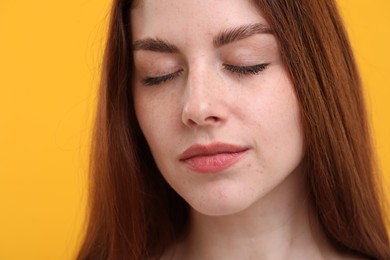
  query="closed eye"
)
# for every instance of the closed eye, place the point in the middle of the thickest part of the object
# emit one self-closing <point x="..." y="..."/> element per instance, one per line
<point x="240" y="70"/>
<point x="246" y="70"/>
<point x="150" y="81"/>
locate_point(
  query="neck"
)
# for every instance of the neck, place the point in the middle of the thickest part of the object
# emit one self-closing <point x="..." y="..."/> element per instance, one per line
<point x="278" y="226"/>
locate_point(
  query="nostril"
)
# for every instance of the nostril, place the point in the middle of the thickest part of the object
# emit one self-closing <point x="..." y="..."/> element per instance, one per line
<point x="191" y="122"/>
<point x="212" y="119"/>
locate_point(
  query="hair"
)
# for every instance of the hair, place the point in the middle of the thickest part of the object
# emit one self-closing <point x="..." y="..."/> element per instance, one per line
<point x="135" y="214"/>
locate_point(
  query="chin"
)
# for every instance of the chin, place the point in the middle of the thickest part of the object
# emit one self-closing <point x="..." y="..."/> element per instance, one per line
<point x="219" y="212"/>
<point x="219" y="209"/>
<point x="220" y="203"/>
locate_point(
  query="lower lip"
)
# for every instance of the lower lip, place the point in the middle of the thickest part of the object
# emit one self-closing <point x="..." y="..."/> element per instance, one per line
<point x="213" y="163"/>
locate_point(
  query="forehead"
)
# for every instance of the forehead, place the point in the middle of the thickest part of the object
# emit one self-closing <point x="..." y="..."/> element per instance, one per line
<point x="191" y="18"/>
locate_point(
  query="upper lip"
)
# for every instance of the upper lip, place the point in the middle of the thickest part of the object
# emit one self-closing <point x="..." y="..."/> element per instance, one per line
<point x="210" y="149"/>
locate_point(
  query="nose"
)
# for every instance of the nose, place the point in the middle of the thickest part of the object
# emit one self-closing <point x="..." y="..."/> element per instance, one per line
<point x="205" y="100"/>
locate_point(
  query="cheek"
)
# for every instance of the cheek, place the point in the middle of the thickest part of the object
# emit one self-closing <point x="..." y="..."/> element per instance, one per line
<point x="287" y="133"/>
<point x="284" y="114"/>
<point x="143" y="113"/>
<point x="157" y="117"/>
<point x="277" y="121"/>
<point x="284" y="117"/>
<point x="147" y="117"/>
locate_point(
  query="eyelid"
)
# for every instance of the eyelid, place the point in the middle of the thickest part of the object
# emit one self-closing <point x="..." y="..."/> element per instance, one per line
<point x="239" y="70"/>
<point x="246" y="70"/>
<point x="150" y="81"/>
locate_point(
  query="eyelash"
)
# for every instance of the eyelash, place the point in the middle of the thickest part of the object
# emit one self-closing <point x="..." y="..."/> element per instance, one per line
<point x="150" y="81"/>
<point x="239" y="70"/>
<point x="246" y="70"/>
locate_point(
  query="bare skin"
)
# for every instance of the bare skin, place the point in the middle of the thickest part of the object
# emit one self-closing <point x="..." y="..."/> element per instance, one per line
<point x="285" y="230"/>
<point x="194" y="87"/>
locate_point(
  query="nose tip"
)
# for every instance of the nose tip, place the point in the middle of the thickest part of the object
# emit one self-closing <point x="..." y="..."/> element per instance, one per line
<point x="200" y="116"/>
<point x="201" y="109"/>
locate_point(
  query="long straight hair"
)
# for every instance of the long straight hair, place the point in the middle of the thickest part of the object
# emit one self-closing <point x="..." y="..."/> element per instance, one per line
<point x="134" y="214"/>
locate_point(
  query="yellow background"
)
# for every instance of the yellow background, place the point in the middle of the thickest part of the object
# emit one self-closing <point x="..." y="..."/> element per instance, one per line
<point x="50" y="57"/>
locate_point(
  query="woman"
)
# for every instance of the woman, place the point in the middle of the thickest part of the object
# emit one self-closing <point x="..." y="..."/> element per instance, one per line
<point x="232" y="130"/>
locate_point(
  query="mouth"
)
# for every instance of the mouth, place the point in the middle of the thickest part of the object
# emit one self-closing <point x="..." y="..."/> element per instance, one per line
<point x="212" y="158"/>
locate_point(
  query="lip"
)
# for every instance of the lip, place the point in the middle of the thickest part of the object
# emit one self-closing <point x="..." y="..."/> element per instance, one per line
<point x="212" y="158"/>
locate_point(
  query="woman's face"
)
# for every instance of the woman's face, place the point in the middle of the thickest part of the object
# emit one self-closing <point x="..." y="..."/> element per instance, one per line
<point x="215" y="102"/>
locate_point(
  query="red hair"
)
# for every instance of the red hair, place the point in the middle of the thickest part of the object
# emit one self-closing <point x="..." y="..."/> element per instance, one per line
<point x="134" y="214"/>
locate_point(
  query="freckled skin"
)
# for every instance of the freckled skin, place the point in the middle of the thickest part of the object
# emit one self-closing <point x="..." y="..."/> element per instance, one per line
<point x="206" y="103"/>
<point x="257" y="208"/>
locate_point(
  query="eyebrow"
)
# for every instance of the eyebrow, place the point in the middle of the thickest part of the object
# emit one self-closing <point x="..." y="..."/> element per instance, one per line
<point x="156" y="45"/>
<point x="223" y="38"/>
<point x="239" y="33"/>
